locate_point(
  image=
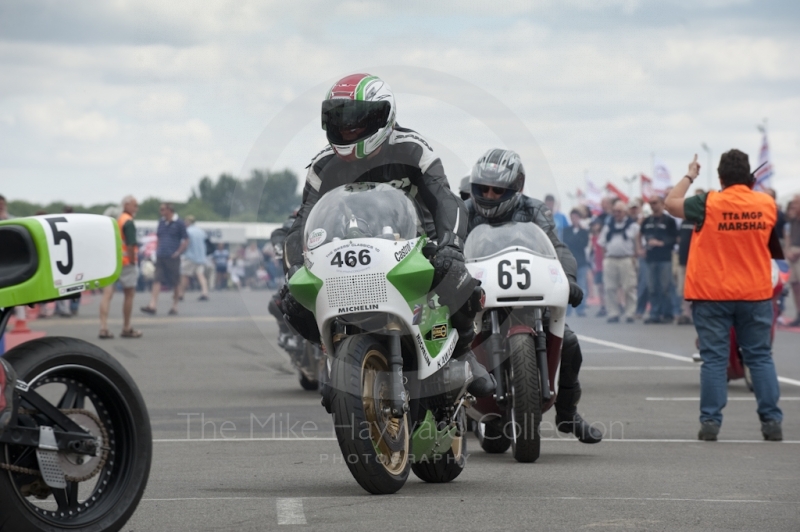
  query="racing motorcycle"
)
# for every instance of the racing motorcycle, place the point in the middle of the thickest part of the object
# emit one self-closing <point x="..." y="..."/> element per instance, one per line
<point x="524" y="285"/>
<point x="396" y="396"/>
<point x="76" y="453"/>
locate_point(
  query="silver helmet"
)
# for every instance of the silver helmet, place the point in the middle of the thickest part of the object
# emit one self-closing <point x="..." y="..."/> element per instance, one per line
<point x="497" y="180"/>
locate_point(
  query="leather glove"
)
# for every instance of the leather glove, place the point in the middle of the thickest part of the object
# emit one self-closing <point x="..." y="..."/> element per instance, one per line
<point x="575" y="294"/>
<point x="451" y="280"/>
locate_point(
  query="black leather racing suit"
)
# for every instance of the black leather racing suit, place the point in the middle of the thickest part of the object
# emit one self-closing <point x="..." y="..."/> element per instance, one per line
<point x="407" y="162"/>
<point x="533" y="210"/>
<point x="277" y="238"/>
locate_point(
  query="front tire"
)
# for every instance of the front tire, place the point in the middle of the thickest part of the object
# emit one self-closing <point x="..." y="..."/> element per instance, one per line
<point x="525" y="406"/>
<point x="446" y="467"/>
<point x="491" y="437"/>
<point x="100" y="394"/>
<point x="374" y="446"/>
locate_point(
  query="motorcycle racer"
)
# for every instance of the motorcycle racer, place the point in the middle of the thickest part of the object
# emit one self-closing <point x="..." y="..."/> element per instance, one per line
<point x="7" y="380"/>
<point x="497" y="181"/>
<point x="277" y="238"/>
<point x="367" y="145"/>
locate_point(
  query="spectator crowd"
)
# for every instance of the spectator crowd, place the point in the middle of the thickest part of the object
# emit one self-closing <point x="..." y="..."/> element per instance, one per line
<point x="631" y="259"/>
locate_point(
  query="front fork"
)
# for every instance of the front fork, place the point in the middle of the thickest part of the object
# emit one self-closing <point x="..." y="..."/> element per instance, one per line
<point x="398" y="403"/>
<point x="540" y="343"/>
<point x="497" y="352"/>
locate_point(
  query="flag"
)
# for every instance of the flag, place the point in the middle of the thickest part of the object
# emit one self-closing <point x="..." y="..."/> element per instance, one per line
<point x="617" y="192"/>
<point x="661" y="178"/>
<point x="647" y="188"/>
<point x="593" y="196"/>
<point x="765" y="173"/>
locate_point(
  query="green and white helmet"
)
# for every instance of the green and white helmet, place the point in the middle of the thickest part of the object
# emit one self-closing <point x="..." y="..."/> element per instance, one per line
<point x="358" y="115"/>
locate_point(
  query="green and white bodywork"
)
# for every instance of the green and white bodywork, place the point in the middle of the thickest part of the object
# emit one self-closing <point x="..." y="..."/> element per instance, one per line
<point x="49" y="257"/>
<point x="363" y="255"/>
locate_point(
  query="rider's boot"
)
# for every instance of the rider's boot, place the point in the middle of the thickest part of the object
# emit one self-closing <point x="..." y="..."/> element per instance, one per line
<point x="483" y="383"/>
<point x="568" y="419"/>
<point x="8" y="380"/>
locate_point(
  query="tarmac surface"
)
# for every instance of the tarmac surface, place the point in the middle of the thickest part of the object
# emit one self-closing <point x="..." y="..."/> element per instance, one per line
<point x="240" y="446"/>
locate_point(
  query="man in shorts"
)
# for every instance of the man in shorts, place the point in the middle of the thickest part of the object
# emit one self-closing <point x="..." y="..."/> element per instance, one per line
<point x="129" y="276"/>
<point x="194" y="260"/>
<point x="172" y="242"/>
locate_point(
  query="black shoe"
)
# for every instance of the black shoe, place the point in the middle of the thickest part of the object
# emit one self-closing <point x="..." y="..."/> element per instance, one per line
<point x="708" y="431"/>
<point x="615" y="319"/>
<point x="578" y="426"/>
<point x="795" y="323"/>
<point x="603" y="313"/>
<point x="629" y="320"/>
<point x="771" y="430"/>
<point x="652" y="320"/>
<point x="483" y="383"/>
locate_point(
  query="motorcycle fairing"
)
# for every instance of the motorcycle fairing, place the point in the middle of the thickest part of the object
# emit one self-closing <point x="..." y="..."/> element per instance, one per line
<point x="339" y="280"/>
<point x="73" y="253"/>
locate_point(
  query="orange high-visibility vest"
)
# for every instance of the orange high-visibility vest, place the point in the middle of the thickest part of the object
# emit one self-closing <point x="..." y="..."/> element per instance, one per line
<point x="121" y="221"/>
<point x="729" y="257"/>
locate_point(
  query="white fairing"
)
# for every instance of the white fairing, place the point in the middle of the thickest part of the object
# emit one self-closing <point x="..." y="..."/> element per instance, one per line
<point x="526" y="273"/>
<point x="82" y="248"/>
<point x="353" y="273"/>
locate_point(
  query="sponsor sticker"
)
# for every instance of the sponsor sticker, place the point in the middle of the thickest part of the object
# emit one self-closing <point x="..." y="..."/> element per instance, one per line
<point x="555" y="274"/>
<point x="417" y="315"/>
<point x="422" y="349"/>
<point x="72" y="289"/>
<point x="316" y="238"/>
<point x="403" y="253"/>
<point x="439" y="331"/>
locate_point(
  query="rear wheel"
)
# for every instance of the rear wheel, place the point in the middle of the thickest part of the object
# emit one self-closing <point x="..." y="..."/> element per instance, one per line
<point x="525" y="404"/>
<point x="446" y="467"/>
<point x="96" y="392"/>
<point x="375" y="446"/>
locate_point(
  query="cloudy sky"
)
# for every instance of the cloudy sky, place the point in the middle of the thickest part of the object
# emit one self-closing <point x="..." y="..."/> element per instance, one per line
<point x="103" y="98"/>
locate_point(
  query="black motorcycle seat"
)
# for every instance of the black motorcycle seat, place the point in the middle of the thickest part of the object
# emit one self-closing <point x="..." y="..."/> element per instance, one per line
<point x="18" y="258"/>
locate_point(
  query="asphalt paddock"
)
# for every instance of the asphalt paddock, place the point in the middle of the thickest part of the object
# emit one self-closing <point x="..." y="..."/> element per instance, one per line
<point x="240" y="446"/>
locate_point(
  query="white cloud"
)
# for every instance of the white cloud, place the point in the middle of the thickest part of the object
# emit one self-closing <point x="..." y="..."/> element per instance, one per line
<point x="164" y="93"/>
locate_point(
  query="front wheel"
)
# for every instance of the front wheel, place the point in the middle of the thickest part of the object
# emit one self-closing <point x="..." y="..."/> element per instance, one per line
<point x="491" y="437"/>
<point x="96" y="392"/>
<point x="375" y="446"/>
<point x="525" y="406"/>
<point x="446" y="467"/>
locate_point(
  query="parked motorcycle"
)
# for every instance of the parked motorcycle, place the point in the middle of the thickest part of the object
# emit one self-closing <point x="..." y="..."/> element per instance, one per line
<point x="396" y="396"/>
<point x="736" y="367"/>
<point x="525" y="286"/>
<point x="76" y="454"/>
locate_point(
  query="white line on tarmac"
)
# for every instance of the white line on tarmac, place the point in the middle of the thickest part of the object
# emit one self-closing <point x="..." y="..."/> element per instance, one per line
<point x="662" y="354"/>
<point x="567" y="440"/>
<point x="639" y="368"/>
<point x="527" y="497"/>
<point x="230" y="440"/>
<point x="753" y="398"/>
<point x="633" y="349"/>
<point x="290" y="512"/>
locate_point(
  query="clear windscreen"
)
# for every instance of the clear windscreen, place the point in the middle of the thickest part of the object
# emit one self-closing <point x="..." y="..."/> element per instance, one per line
<point x="361" y="210"/>
<point x="487" y="240"/>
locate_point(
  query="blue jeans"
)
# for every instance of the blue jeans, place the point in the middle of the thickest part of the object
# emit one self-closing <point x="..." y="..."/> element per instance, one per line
<point x="752" y="321"/>
<point x="580" y="310"/>
<point x="659" y="279"/>
<point x="641" y="288"/>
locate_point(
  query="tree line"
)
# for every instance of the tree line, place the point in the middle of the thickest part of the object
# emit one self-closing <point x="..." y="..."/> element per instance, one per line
<point x="262" y="197"/>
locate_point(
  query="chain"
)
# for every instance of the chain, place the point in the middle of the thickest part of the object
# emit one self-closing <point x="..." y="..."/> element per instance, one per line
<point x="100" y="464"/>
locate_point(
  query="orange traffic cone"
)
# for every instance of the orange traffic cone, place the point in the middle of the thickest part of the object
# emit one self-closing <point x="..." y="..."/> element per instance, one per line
<point x="20" y="327"/>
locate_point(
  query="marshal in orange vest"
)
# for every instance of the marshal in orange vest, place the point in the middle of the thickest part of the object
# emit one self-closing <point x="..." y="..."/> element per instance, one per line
<point x="729" y="257"/>
<point x="121" y="221"/>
